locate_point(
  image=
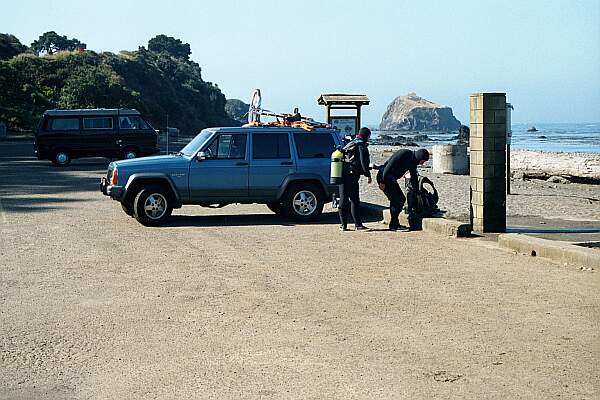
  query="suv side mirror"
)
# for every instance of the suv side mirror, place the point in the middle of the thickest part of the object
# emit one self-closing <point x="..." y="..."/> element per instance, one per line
<point x="201" y="156"/>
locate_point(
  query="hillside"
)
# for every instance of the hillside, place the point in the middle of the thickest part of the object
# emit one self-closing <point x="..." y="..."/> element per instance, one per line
<point x="157" y="81"/>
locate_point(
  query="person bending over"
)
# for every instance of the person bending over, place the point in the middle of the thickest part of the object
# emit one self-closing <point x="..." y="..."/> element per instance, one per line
<point x="393" y="169"/>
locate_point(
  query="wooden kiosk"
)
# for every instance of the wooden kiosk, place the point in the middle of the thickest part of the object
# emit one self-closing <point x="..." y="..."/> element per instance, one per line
<point x="347" y="124"/>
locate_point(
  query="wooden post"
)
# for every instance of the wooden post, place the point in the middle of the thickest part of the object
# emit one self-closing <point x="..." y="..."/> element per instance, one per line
<point x="328" y="115"/>
<point x="357" y="118"/>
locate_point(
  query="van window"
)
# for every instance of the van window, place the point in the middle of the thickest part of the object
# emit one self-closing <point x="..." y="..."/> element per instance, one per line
<point x="63" y="124"/>
<point x="314" y="145"/>
<point x="270" y="145"/>
<point x="227" y="146"/>
<point x="98" y="123"/>
<point x="132" y="122"/>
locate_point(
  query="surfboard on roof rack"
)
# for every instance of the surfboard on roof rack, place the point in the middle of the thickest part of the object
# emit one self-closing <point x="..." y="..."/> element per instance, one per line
<point x="294" y="120"/>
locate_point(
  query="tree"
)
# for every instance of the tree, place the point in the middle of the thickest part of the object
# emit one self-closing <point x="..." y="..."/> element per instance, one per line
<point x="171" y="46"/>
<point x="51" y="42"/>
<point x="155" y="83"/>
<point x="10" y="46"/>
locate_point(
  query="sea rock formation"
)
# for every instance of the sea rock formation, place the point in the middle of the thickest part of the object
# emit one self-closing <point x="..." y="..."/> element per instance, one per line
<point x="411" y="112"/>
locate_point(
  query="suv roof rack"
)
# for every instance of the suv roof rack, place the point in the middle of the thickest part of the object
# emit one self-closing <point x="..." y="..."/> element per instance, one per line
<point x="295" y="120"/>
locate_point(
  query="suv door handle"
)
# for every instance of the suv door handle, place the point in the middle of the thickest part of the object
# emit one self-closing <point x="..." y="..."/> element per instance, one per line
<point x="287" y="163"/>
<point x="241" y="163"/>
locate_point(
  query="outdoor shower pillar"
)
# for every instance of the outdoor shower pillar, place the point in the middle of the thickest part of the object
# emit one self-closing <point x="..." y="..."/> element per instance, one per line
<point x="488" y="162"/>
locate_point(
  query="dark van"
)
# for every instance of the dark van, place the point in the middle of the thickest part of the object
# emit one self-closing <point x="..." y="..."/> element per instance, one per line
<point x="63" y="135"/>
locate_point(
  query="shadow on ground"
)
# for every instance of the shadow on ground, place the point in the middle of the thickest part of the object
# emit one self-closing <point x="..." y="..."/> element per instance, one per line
<point x="328" y="218"/>
<point x="29" y="185"/>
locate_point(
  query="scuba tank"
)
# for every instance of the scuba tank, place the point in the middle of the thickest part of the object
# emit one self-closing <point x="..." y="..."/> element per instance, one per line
<point x="337" y="158"/>
<point x="340" y="156"/>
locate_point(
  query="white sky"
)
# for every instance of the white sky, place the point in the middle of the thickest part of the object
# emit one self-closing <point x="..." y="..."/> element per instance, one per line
<point x="544" y="54"/>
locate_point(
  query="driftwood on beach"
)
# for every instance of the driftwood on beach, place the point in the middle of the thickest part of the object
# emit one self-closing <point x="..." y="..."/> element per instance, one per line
<point x="576" y="167"/>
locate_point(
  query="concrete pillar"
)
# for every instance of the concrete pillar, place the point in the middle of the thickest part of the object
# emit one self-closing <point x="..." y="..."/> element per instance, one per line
<point x="488" y="162"/>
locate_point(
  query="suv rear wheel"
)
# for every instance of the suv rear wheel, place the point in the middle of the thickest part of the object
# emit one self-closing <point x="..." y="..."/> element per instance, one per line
<point x="61" y="158"/>
<point x="152" y="205"/>
<point x="303" y="201"/>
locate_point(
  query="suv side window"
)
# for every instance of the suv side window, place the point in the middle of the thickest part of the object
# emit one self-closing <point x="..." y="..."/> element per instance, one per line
<point x="314" y="145"/>
<point x="132" y="122"/>
<point x="227" y="146"/>
<point x="63" y="124"/>
<point x="270" y="145"/>
<point x="97" y="123"/>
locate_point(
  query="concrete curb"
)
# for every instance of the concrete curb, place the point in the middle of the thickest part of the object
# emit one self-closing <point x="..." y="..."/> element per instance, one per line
<point x="371" y="211"/>
<point x="442" y="226"/>
<point x="563" y="252"/>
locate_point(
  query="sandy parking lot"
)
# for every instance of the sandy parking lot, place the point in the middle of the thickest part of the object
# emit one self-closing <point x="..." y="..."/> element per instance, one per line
<point x="237" y="303"/>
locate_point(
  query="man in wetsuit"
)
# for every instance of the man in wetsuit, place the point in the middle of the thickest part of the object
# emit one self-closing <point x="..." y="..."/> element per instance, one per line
<point x="398" y="164"/>
<point x="356" y="164"/>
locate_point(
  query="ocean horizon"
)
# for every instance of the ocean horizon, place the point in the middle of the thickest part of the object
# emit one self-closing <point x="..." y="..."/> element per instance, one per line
<point x="555" y="137"/>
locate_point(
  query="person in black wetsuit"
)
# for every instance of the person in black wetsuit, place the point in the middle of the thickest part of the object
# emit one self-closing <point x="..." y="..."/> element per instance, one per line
<point x="356" y="164"/>
<point x="394" y="169"/>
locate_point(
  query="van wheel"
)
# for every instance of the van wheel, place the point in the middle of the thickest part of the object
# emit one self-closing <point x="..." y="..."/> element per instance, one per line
<point x="303" y="202"/>
<point x="61" y="158"/>
<point x="276" y="207"/>
<point x="152" y="205"/>
<point x="130" y="153"/>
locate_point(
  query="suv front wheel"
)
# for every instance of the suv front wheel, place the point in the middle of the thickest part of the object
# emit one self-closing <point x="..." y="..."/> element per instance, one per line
<point x="303" y="202"/>
<point x="129" y="153"/>
<point x="276" y="207"/>
<point x="152" y="205"/>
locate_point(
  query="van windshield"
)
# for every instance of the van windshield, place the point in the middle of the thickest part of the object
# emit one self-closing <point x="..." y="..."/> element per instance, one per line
<point x="196" y="143"/>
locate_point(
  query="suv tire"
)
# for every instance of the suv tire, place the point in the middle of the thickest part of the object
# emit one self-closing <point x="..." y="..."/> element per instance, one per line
<point x="276" y="207"/>
<point x="303" y="202"/>
<point x="152" y="205"/>
<point x="61" y="158"/>
<point x="127" y="208"/>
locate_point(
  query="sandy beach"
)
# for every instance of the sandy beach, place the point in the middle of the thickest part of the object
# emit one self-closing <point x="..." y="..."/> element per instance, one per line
<point x="529" y="197"/>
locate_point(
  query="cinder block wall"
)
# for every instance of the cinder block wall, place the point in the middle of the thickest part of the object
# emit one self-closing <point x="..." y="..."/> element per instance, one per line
<point x="488" y="162"/>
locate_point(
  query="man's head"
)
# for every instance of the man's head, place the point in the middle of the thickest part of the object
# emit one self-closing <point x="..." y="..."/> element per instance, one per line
<point x="364" y="133"/>
<point x="422" y="156"/>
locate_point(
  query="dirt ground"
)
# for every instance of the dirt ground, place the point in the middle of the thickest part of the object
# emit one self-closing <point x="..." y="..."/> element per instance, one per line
<point x="237" y="303"/>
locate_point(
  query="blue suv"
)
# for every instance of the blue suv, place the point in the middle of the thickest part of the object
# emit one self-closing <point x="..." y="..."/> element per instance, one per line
<point x="285" y="168"/>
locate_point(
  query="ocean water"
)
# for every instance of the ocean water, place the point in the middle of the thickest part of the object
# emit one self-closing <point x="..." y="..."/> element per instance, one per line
<point x="562" y="137"/>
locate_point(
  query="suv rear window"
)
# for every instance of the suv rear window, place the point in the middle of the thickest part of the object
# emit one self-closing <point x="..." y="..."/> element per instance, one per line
<point x="270" y="145"/>
<point x="314" y="145"/>
<point x="98" y="123"/>
<point x="63" y="124"/>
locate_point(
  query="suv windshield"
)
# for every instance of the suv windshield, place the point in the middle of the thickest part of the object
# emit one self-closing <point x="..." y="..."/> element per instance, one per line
<point x="196" y="142"/>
